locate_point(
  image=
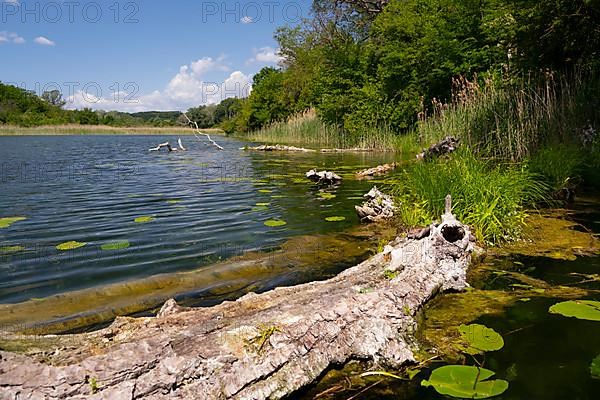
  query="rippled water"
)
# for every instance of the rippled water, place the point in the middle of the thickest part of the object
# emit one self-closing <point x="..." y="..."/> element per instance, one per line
<point x="90" y="189"/>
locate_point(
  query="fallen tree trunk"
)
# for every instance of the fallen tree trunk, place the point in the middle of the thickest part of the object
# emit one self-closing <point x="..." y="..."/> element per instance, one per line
<point x="379" y="170"/>
<point x="261" y="346"/>
<point x="446" y="146"/>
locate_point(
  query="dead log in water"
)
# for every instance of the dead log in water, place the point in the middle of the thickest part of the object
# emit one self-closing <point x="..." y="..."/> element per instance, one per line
<point x="446" y="146"/>
<point x="379" y="170"/>
<point x="261" y="346"/>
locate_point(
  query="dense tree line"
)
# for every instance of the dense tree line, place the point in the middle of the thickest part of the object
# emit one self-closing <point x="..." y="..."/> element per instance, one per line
<point x="25" y="108"/>
<point x="363" y="63"/>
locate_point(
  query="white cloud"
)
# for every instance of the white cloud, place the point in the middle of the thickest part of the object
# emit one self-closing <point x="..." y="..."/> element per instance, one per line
<point x="6" y="37"/>
<point x="246" y="20"/>
<point x="188" y="88"/>
<point x="265" y="55"/>
<point x="44" y="41"/>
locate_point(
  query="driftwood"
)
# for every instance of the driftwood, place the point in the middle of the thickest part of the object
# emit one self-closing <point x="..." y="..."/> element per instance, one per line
<point x="261" y="346"/>
<point x="169" y="147"/>
<point x="324" y="177"/>
<point x="379" y="170"/>
<point x="279" y="147"/>
<point x="198" y="132"/>
<point x="446" y="146"/>
<point x="377" y="207"/>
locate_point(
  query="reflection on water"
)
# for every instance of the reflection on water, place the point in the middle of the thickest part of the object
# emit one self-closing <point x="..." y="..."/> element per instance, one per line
<point x="202" y="206"/>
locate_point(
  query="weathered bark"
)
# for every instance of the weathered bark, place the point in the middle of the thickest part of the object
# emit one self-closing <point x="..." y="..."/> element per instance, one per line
<point x="260" y="346"/>
<point x="377" y="207"/>
<point x="279" y="147"/>
<point x="379" y="170"/>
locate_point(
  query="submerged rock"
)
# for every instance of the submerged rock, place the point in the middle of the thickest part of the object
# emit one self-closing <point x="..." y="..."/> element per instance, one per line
<point x="325" y="177"/>
<point x="377" y="207"/>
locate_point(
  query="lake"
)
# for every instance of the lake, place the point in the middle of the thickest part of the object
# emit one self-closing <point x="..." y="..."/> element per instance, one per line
<point x="193" y="209"/>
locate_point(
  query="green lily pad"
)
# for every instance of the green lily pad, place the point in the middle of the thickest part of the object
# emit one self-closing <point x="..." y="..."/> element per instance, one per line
<point x="11" y="249"/>
<point x="123" y="244"/>
<point x="480" y="338"/>
<point x="259" y="208"/>
<point x="143" y="220"/>
<point x="72" y="245"/>
<point x="595" y="367"/>
<point x="464" y="381"/>
<point x="263" y="204"/>
<point x="580" y="309"/>
<point x="8" y="221"/>
<point x="265" y="191"/>
<point x="275" y="223"/>
<point x="173" y="201"/>
<point x="335" y="219"/>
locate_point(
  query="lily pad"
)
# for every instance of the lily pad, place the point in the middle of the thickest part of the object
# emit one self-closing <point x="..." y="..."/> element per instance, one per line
<point x="595" y="367"/>
<point x="143" y="220"/>
<point x="580" y="309"/>
<point x="464" y="381"/>
<point x="275" y="223"/>
<point x="265" y="191"/>
<point x="11" y="249"/>
<point x="263" y="204"/>
<point x="173" y="201"/>
<point x="72" y="245"/>
<point x="259" y="208"/>
<point x="335" y="219"/>
<point x="8" y="221"/>
<point x="480" y="338"/>
<point x="123" y="244"/>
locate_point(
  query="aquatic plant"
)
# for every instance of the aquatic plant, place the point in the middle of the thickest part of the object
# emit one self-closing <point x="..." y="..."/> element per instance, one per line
<point x="480" y="338"/>
<point x="464" y="381"/>
<point x="123" y="244"/>
<point x="335" y="219"/>
<point x="143" y="220"/>
<point x="580" y="309"/>
<point x="491" y="199"/>
<point x="72" y="245"/>
<point x="11" y="249"/>
<point x="8" y="221"/>
<point x="273" y="223"/>
<point x="595" y="367"/>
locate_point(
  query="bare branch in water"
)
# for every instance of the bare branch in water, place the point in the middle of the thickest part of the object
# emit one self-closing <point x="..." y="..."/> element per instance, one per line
<point x="199" y="132"/>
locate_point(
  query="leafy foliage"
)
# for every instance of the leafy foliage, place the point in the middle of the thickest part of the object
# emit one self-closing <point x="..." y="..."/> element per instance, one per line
<point x="595" y="367"/>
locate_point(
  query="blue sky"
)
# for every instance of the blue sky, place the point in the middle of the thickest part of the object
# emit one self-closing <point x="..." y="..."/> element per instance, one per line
<point x="140" y="55"/>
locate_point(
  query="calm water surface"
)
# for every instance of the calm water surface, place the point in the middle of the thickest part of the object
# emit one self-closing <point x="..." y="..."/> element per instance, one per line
<point x="90" y="189"/>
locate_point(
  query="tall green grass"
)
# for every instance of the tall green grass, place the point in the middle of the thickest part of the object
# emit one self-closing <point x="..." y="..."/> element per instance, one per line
<point x="306" y="129"/>
<point x="491" y="199"/>
<point x="510" y="120"/>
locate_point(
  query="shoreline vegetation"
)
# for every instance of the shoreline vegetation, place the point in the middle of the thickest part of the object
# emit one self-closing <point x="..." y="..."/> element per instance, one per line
<point x="76" y="129"/>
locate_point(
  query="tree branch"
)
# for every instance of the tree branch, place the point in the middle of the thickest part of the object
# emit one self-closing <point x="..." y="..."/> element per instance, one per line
<point x="199" y="132"/>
